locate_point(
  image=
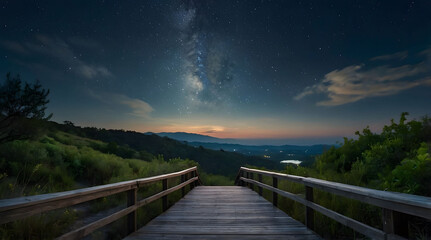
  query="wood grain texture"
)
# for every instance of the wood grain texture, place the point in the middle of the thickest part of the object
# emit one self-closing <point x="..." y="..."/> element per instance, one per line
<point x="406" y="203"/>
<point x="223" y="213"/>
<point x="356" y="225"/>
<point x="18" y="208"/>
<point x="396" y="206"/>
<point x="87" y="229"/>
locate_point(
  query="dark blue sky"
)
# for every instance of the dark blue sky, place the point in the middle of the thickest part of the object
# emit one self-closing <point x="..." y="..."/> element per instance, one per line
<point x="297" y="71"/>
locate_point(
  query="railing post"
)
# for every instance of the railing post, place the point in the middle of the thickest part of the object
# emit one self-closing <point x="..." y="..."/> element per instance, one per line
<point x="242" y="182"/>
<point x="395" y="223"/>
<point x="247" y="175"/>
<point x="196" y="174"/>
<point x="309" y="212"/>
<point x="131" y="217"/>
<point x="165" y="198"/>
<point x="192" y="185"/>
<point x="259" y="178"/>
<point x="251" y="184"/>
<point x="274" y="194"/>
<point x="183" y="189"/>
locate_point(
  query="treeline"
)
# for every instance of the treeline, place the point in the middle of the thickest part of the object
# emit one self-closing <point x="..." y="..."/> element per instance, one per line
<point x="397" y="159"/>
<point x="130" y="144"/>
<point x="59" y="161"/>
<point x="59" y="157"/>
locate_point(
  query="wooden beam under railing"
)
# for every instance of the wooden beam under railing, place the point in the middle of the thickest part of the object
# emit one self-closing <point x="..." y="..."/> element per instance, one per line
<point x="393" y="204"/>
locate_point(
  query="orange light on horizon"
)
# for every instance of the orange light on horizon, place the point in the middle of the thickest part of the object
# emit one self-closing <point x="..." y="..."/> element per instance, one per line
<point x="249" y="130"/>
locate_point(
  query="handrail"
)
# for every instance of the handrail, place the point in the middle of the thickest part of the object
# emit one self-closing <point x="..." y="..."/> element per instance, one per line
<point x="392" y="203"/>
<point x="18" y="208"/>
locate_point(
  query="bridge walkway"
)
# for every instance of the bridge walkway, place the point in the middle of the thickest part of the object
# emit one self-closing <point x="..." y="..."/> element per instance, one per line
<point x="223" y="212"/>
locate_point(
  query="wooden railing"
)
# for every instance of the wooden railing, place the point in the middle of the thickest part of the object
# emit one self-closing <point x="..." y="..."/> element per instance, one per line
<point x="18" y="208"/>
<point x="394" y="205"/>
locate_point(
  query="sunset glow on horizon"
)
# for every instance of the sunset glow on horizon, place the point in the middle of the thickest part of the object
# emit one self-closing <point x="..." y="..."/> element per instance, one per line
<point x="243" y="69"/>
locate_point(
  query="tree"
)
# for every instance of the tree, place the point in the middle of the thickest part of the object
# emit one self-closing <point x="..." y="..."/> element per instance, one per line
<point x="18" y="104"/>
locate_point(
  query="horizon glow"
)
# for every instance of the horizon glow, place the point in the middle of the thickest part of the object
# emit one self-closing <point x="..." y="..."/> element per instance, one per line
<point x="271" y="72"/>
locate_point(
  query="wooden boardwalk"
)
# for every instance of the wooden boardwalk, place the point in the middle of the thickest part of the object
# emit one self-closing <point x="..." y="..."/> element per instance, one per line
<point x="227" y="212"/>
<point x="223" y="213"/>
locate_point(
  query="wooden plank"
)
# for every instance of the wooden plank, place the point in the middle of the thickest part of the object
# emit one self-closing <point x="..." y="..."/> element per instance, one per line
<point x="292" y="178"/>
<point x="7" y="204"/>
<point x="155" y="236"/>
<point x="355" y="225"/>
<point x="259" y="179"/>
<point x="166" y="192"/>
<point x="144" y="181"/>
<point x="37" y="207"/>
<point x="395" y="223"/>
<point x="183" y="189"/>
<point x="274" y="194"/>
<point x="165" y="197"/>
<point x="309" y="212"/>
<point x="132" y="197"/>
<point x="215" y="230"/>
<point x="192" y="175"/>
<point x="214" y="213"/>
<point x="17" y="208"/>
<point x="406" y="203"/>
<point x="227" y="221"/>
<point x="87" y="229"/>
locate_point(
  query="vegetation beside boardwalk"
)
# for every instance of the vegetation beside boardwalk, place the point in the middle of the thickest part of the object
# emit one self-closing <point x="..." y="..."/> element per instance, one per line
<point x="37" y="156"/>
<point x="397" y="159"/>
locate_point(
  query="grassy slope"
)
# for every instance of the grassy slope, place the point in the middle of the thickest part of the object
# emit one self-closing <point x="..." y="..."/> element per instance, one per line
<point x="59" y="161"/>
<point x="397" y="159"/>
<point x="211" y="161"/>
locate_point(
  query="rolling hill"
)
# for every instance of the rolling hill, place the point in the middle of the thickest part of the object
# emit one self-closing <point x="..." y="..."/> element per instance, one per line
<point x="212" y="161"/>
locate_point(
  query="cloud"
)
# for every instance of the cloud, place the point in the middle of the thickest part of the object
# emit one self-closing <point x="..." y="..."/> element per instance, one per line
<point x="62" y="53"/>
<point x="193" y="128"/>
<point x="84" y="43"/>
<point x="139" y="108"/>
<point x="14" y="46"/>
<point x="207" y="129"/>
<point x="355" y="82"/>
<point x="394" y="56"/>
<point x="134" y="106"/>
<point x="92" y="71"/>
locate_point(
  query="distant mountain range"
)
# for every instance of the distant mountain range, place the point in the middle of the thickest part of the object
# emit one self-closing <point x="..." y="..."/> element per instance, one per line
<point x="274" y="153"/>
<point x="193" y="137"/>
<point x="211" y="161"/>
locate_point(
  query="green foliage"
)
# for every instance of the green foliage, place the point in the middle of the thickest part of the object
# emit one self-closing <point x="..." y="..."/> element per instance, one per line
<point x="26" y="102"/>
<point x="371" y="157"/>
<point x="215" y="180"/>
<point x="398" y="159"/>
<point x="60" y="162"/>
<point x="44" y="226"/>
<point x="129" y="144"/>
<point x="19" y="103"/>
<point x="413" y="175"/>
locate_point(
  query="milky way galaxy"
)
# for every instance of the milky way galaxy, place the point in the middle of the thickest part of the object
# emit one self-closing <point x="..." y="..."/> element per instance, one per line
<point x="277" y="71"/>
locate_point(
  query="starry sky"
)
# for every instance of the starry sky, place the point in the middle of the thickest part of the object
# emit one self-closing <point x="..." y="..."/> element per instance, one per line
<point x="268" y="72"/>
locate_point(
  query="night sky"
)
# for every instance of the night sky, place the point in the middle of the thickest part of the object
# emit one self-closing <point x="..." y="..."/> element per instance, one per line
<point x="281" y="71"/>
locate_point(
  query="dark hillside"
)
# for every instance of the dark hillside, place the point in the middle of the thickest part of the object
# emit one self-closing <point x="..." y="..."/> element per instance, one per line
<point x="211" y="161"/>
